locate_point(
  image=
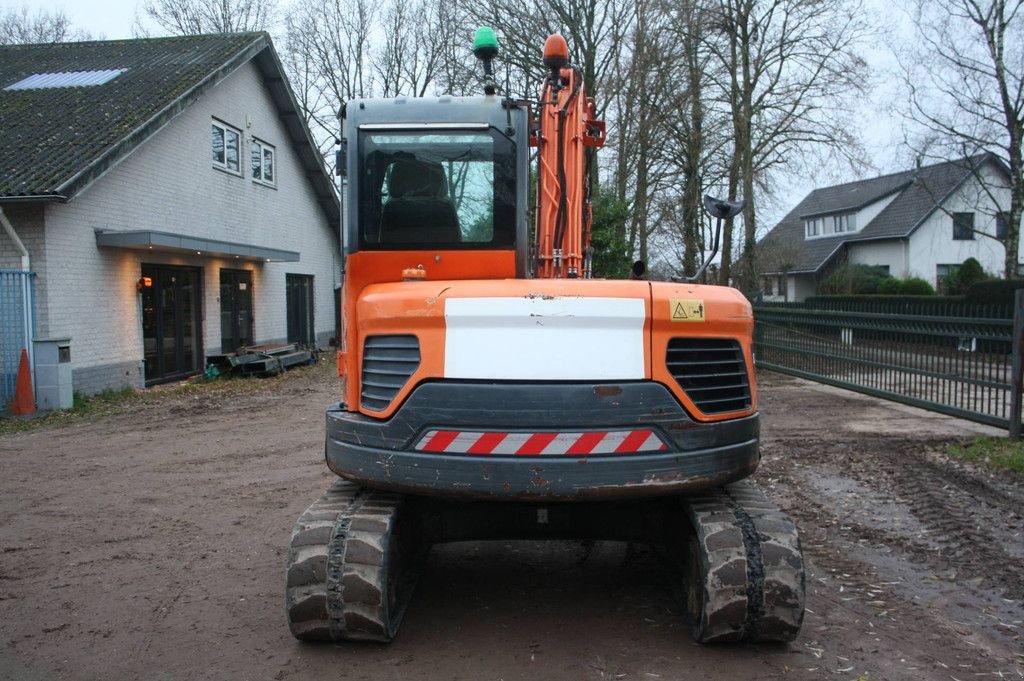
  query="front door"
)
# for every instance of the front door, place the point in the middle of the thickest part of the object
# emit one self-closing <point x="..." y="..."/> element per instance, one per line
<point x="299" y="301"/>
<point x="235" y="309"/>
<point x="171" y="321"/>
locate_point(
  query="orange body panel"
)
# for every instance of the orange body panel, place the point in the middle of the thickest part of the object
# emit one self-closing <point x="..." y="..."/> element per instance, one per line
<point x="366" y="268"/>
<point x="728" y="315"/>
<point x="418" y="307"/>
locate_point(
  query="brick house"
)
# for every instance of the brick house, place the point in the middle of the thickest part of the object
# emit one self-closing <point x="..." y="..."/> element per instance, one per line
<point x="918" y="223"/>
<point x="171" y="199"/>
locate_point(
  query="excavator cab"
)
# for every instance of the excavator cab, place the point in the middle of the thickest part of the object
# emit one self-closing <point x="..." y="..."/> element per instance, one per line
<point x="446" y="189"/>
<point x="430" y="175"/>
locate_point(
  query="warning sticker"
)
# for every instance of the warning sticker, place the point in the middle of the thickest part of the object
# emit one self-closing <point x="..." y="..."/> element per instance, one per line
<point x="687" y="310"/>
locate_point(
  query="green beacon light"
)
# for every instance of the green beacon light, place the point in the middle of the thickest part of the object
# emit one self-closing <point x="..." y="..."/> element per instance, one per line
<point x="485" y="43"/>
<point x="485" y="47"/>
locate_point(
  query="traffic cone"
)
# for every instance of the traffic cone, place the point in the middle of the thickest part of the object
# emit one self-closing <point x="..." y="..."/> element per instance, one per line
<point x="24" y="401"/>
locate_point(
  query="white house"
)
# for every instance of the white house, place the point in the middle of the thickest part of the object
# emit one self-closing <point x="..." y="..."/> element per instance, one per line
<point x="171" y="200"/>
<point x="920" y="223"/>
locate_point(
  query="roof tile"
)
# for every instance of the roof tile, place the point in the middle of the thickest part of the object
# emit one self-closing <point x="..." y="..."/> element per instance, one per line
<point x="52" y="134"/>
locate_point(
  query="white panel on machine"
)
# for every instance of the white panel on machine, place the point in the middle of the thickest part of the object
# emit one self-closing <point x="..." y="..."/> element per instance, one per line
<point x="544" y="338"/>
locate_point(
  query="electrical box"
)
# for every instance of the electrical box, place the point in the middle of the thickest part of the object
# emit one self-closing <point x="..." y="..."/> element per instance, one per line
<point x="53" y="374"/>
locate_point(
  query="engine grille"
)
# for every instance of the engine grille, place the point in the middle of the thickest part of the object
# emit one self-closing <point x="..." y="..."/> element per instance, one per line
<point x="711" y="371"/>
<point x="388" y="362"/>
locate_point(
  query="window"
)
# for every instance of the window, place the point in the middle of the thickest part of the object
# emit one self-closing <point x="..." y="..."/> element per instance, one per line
<point x="226" y="148"/>
<point x="1002" y="224"/>
<point x="783" y="291"/>
<point x="942" y="274"/>
<point x="262" y="155"/>
<point x="963" y="226"/>
<point x="813" y="226"/>
<point x="769" y="286"/>
<point x="450" y="189"/>
<point x="846" y="222"/>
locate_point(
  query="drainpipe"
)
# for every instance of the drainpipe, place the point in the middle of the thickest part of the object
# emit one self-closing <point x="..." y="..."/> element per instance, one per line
<point x="26" y="290"/>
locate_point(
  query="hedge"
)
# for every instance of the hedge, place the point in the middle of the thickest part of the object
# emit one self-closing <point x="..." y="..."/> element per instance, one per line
<point x="994" y="291"/>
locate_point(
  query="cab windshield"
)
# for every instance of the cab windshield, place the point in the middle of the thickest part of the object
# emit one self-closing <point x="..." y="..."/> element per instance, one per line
<point x="447" y="189"/>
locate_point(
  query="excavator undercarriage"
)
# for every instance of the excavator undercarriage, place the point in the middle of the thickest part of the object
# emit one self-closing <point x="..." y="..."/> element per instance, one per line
<point x="732" y="558"/>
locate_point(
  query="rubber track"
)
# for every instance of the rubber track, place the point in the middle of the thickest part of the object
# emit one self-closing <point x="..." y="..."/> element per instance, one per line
<point x="338" y="567"/>
<point x="749" y="581"/>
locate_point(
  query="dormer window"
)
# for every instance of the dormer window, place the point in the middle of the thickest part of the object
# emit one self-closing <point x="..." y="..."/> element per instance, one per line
<point x="829" y="225"/>
<point x="847" y="222"/>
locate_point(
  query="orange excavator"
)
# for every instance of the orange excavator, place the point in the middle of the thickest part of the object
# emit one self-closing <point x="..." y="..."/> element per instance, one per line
<point x="493" y="389"/>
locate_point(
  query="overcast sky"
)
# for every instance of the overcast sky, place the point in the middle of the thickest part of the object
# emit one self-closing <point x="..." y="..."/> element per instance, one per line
<point x="105" y="19"/>
<point x="880" y="128"/>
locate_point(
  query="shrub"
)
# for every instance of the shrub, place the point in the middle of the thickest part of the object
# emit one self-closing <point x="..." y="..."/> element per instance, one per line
<point x="969" y="273"/>
<point x="916" y="286"/>
<point x="854" y="279"/>
<point x="890" y="287"/>
<point x="612" y="256"/>
<point x="994" y="291"/>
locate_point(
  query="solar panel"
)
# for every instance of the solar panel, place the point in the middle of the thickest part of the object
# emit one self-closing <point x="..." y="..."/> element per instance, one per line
<point x="42" y="81"/>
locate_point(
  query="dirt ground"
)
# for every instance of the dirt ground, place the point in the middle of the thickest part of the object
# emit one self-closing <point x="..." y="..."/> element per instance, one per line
<point x="151" y="545"/>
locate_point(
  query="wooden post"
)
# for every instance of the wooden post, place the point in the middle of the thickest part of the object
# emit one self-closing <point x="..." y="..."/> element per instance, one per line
<point x="1017" y="382"/>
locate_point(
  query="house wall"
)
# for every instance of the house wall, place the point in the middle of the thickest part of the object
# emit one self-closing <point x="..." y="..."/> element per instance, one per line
<point x="932" y="243"/>
<point x="800" y="287"/>
<point x="890" y="253"/>
<point x="169" y="184"/>
<point x="776" y="284"/>
<point x="28" y="222"/>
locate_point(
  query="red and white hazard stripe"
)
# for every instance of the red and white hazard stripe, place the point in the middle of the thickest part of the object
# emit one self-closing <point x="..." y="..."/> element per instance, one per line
<point x="540" y="444"/>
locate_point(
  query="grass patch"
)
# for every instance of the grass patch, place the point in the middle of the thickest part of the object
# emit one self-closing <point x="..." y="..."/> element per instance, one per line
<point x="87" y="407"/>
<point x="88" y="403"/>
<point x="993" y="452"/>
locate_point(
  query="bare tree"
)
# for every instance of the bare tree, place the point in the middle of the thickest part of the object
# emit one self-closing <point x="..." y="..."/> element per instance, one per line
<point x="195" y="17"/>
<point x="791" y="66"/>
<point x="697" y="125"/>
<point x="423" y="48"/>
<point x="594" y="30"/>
<point x="457" y="71"/>
<point x="327" y="54"/>
<point x="965" y="76"/>
<point x="637" y="83"/>
<point x="415" y="46"/>
<point x="21" y="27"/>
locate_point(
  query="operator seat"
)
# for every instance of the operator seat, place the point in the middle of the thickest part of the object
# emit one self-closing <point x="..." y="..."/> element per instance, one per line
<point x="419" y="211"/>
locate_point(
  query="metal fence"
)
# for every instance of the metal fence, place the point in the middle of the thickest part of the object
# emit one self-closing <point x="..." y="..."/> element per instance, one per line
<point x="960" y="365"/>
<point x="17" y="326"/>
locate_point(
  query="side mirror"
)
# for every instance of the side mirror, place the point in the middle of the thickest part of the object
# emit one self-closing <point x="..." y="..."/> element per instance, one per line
<point x="722" y="209"/>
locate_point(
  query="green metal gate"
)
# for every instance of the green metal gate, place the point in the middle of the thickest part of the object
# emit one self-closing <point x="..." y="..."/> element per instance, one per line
<point x="960" y="365"/>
